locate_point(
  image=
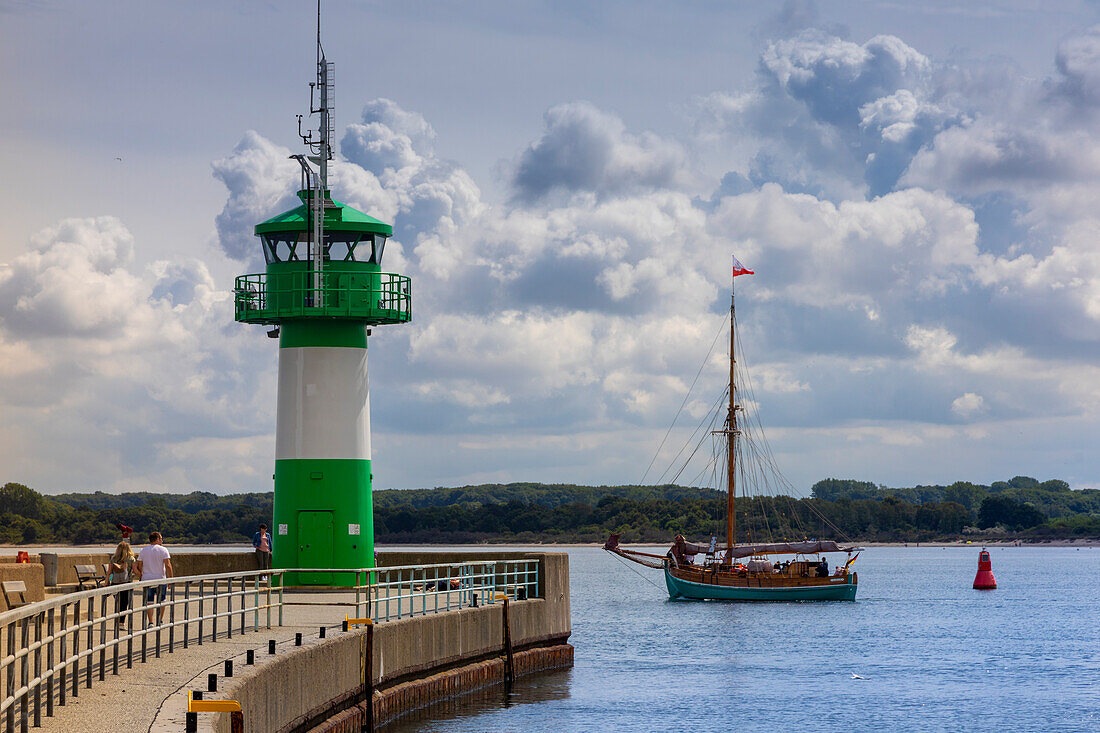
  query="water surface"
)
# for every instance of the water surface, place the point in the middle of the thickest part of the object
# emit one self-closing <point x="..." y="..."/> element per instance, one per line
<point x="935" y="654"/>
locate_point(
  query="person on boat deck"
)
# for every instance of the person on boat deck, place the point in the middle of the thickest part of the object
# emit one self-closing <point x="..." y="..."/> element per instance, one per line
<point x="823" y="569"/>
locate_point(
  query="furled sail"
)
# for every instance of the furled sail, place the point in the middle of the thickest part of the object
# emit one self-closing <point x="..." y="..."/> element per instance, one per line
<point x="788" y="548"/>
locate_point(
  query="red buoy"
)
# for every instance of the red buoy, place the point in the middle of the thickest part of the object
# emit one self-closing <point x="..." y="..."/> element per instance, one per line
<point x="984" y="580"/>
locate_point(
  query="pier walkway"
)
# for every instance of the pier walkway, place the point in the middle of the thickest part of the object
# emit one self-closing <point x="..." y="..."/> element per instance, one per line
<point x="84" y="662"/>
<point x="156" y="691"/>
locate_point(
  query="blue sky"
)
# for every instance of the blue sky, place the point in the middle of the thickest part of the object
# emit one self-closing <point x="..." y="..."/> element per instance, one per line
<point x="915" y="186"/>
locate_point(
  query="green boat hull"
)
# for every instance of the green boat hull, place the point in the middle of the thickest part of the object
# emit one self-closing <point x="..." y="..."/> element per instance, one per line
<point x="679" y="590"/>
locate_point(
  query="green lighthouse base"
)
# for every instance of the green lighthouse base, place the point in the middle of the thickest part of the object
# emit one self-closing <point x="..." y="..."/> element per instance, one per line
<point x="324" y="518"/>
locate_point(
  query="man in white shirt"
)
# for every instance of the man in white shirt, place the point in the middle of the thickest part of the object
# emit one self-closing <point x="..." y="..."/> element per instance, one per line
<point x="154" y="563"/>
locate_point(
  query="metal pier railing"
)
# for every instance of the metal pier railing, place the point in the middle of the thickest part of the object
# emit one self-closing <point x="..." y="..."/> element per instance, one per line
<point x="54" y="648"/>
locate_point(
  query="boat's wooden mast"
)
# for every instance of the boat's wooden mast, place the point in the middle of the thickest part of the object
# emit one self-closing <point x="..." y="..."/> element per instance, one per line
<point x="731" y="440"/>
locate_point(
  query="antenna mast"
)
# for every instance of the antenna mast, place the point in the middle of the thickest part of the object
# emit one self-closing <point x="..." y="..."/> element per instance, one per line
<point x="317" y="181"/>
<point x="326" y="83"/>
<point x="731" y="437"/>
<point x="731" y="431"/>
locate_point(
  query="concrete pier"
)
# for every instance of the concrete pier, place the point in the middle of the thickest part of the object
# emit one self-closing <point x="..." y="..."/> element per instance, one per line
<point x="320" y="685"/>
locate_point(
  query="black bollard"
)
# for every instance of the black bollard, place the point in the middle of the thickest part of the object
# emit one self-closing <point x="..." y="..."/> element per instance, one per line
<point x="473" y="596"/>
<point x="196" y="695"/>
<point x="271" y="646"/>
<point x="192" y="725"/>
<point x="229" y="668"/>
<point x="298" y="639"/>
<point x="344" y="625"/>
<point x="250" y="656"/>
<point x="322" y="632"/>
<point x="212" y="682"/>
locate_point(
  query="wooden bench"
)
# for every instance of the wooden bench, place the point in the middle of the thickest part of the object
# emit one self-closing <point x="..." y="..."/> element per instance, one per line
<point x="15" y="593"/>
<point x="88" y="574"/>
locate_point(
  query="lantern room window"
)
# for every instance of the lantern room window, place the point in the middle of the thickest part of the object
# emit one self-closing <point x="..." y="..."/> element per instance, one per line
<point x="339" y="246"/>
<point x="376" y="250"/>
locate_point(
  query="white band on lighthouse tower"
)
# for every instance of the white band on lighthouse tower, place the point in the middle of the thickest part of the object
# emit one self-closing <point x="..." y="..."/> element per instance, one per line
<point x="324" y="404"/>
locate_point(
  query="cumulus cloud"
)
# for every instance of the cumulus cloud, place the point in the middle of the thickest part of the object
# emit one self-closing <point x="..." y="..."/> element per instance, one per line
<point x="555" y="333"/>
<point x="72" y="282"/>
<point x="834" y="117"/>
<point x="992" y="156"/>
<point x="834" y="78"/>
<point x="1078" y="62"/>
<point x="259" y="176"/>
<point x="388" y="137"/>
<point x="968" y="405"/>
<point x="585" y="149"/>
<point x="132" y="360"/>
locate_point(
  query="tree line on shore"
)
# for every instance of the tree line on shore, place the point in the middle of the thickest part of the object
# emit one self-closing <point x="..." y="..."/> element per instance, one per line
<point x="1021" y="508"/>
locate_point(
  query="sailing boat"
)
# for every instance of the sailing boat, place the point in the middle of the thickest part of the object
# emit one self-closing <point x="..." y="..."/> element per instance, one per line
<point x="722" y="575"/>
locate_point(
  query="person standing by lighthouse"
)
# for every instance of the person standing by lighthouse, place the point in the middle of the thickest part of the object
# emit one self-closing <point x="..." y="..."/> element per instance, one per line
<point x="322" y="291"/>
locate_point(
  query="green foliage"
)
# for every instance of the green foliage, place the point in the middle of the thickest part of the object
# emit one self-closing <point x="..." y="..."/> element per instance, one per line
<point x="27" y="503"/>
<point x="547" y="495"/>
<point x="532" y="512"/>
<point x="1001" y="510"/>
<point x="966" y="494"/>
<point x="1053" y="498"/>
<point x="199" y="517"/>
<point x="831" y="489"/>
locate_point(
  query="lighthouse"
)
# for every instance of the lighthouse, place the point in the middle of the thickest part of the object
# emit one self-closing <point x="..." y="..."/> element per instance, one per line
<point x="321" y="293"/>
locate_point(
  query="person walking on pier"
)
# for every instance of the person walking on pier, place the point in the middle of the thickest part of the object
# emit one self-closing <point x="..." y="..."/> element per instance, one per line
<point x="122" y="567"/>
<point x="263" y="544"/>
<point x="154" y="563"/>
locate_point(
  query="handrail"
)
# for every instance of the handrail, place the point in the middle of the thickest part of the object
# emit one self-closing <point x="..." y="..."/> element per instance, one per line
<point x="79" y="595"/>
<point x="72" y="630"/>
<point x="378" y="297"/>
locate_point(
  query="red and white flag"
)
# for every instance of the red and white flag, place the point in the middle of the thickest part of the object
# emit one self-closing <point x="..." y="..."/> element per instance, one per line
<point x="739" y="269"/>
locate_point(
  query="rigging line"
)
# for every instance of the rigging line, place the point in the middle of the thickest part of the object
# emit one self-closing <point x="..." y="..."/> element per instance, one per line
<point x="716" y="453"/>
<point x="706" y="424"/>
<point x="709" y="465"/>
<point x="698" y="477"/>
<point x="765" y="455"/>
<point x="635" y="571"/>
<point x="686" y="396"/>
<point x="688" y="461"/>
<point x="702" y="439"/>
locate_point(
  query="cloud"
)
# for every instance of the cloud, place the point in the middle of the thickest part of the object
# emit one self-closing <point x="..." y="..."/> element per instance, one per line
<point x="968" y="405"/>
<point x="555" y="333"/>
<point x="833" y="117"/>
<point x="834" y="78"/>
<point x="585" y="149"/>
<point x="1078" y="64"/>
<point x="990" y="156"/>
<point x="389" y="138"/>
<point x="260" y="177"/>
<point x="72" y="282"/>
<point x="793" y="17"/>
<point x="120" y="363"/>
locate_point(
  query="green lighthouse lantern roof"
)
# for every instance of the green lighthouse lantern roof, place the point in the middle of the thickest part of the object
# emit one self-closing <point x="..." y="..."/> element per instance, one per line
<point x="339" y="217"/>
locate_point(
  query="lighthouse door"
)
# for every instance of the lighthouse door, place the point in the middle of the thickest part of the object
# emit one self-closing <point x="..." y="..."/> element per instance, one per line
<point x="315" y="546"/>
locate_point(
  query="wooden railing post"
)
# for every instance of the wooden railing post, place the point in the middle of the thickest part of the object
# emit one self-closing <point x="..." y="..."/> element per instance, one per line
<point x="509" y="668"/>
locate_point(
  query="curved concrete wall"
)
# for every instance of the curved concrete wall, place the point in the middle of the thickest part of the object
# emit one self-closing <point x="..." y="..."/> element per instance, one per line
<point x="313" y="682"/>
